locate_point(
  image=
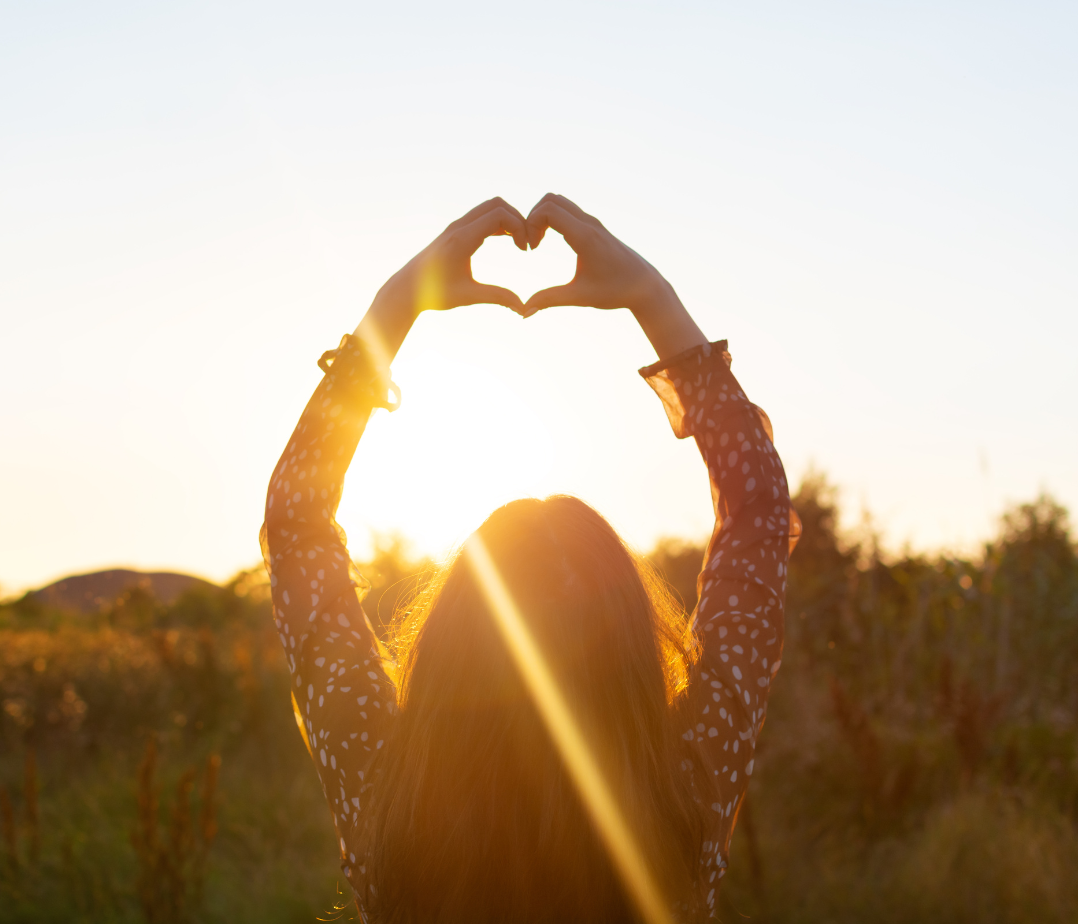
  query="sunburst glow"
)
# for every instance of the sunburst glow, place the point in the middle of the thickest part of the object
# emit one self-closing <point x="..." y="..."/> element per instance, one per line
<point x="464" y="437"/>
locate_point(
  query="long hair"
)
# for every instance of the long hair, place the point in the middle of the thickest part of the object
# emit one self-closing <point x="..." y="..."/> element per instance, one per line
<point x="474" y="816"/>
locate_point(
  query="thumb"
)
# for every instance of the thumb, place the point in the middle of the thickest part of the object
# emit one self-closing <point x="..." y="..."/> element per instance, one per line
<point x="482" y="294"/>
<point x="549" y="298"/>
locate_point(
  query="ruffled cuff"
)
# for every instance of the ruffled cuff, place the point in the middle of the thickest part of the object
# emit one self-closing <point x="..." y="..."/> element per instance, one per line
<point x="352" y="373"/>
<point x="696" y="387"/>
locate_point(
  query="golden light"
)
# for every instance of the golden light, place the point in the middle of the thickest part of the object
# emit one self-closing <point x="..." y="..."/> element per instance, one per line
<point x="302" y="725"/>
<point x="429" y="295"/>
<point x="568" y="739"/>
<point x="371" y="335"/>
<point x="464" y="442"/>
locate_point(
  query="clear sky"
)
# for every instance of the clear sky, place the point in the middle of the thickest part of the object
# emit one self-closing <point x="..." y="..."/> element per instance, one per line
<point x="877" y="203"/>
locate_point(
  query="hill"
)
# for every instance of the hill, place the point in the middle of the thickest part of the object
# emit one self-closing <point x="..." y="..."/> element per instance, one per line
<point x="88" y="593"/>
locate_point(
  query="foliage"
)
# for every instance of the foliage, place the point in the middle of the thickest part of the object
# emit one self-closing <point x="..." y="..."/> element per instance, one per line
<point x="919" y="762"/>
<point x="173" y="784"/>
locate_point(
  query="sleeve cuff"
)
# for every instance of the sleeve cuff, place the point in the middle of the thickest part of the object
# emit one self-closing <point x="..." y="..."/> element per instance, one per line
<point x="351" y="370"/>
<point x="695" y="384"/>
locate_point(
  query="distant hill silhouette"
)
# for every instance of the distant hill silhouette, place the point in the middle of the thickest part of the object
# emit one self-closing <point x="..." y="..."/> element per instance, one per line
<point x="88" y="593"/>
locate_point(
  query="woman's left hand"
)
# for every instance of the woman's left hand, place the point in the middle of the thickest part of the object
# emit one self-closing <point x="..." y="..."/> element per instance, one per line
<point x="440" y="276"/>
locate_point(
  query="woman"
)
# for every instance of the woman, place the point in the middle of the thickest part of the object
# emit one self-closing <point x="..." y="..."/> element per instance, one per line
<point x="546" y="737"/>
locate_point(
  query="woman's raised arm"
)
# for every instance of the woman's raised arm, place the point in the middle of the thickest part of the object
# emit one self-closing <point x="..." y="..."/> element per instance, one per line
<point x="341" y="693"/>
<point x="742" y="587"/>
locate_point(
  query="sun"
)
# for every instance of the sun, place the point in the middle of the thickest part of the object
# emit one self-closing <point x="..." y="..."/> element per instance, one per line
<point x="461" y="444"/>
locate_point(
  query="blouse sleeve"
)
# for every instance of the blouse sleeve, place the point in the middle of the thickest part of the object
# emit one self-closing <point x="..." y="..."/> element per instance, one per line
<point x="742" y="587"/>
<point x="340" y="691"/>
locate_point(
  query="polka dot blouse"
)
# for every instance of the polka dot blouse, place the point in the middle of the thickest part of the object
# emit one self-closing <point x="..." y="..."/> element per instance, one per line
<point x="342" y="695"/>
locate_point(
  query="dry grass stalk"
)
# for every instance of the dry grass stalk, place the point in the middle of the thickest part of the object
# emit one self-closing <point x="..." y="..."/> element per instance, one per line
<point x="207" y="825"/>
<point x="7" y="829"/>
<point x="144" y="838"/>
<point x="176" y="858"/>
<point x="172" y="868"/>
<point x="208" y="813"/>
<point x="855" y="727"/>
<point x="756" y="865"/>
<point x="33" y="825"/>
<point x="972" y="716"/>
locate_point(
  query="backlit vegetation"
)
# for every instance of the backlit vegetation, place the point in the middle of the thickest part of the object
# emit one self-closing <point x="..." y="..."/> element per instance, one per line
<point x="919" y="762"/>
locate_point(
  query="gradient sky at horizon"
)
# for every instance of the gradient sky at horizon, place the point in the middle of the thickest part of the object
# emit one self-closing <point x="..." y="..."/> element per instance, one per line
<point x="875" y="203"/>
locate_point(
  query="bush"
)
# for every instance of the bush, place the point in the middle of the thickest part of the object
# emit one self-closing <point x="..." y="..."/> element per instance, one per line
<point x="919" y="761"/>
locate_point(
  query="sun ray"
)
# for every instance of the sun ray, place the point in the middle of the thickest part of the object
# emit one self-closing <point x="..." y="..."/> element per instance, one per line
<point x="586" y="774"/>
<point x="430" y="295"/>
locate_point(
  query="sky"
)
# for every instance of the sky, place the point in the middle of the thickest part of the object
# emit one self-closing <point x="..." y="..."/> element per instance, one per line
<point x="875" y="203"/>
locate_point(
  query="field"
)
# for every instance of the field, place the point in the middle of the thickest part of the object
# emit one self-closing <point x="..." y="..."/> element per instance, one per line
<point x="919" y="762"/>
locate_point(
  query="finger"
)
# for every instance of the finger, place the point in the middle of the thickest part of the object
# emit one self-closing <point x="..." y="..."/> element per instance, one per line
<point x="571" y="207"/>
<point x="468" y="217"/>
<point x="513" y="210"/>
<point x="548" y="214"/>
<point x="496" y="221"/>
<point x="569" y="294"/>
<point x="482" y="294"/>
<point x="490" y="205"/>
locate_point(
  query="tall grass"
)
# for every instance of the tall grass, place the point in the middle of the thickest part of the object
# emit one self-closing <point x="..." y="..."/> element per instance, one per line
<point x="919" y="763"/>
<point x="172" y="864"/>
<point x="149" y="772"/>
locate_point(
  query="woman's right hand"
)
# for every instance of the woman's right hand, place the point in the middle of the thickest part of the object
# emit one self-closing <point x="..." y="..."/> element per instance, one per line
<point x="610" y="275"/>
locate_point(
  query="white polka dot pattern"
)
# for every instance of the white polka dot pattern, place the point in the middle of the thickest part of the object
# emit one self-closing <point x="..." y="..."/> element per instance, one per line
<point x="339" y="686"/>
<point x="343" y="695"/>
<point x="742" y="588"/>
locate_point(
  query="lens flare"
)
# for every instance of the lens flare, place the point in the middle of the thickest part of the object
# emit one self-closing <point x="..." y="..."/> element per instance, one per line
<point x="371" y="335"/>
<point x="429" y="294"/>
<point x="587" y="777"/>
<point x="302" y="725"/>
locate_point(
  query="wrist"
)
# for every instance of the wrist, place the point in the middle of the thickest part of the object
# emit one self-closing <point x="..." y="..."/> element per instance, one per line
<point x="657" y="302"/>
<point x="667" y="324"/>
<point x="398" y="297"/>
<point x="388" y="321"/>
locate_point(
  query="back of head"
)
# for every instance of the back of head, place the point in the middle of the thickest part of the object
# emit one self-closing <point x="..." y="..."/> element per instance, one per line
<point x="475" y="816"/>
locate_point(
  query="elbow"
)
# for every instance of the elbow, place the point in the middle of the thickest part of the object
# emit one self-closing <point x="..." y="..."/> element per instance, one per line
<point x="271" y="531"/>
<point x="278" y="511"/>
<point x="274" y="505"/>
<point x="270" y="514"/>
<point x="280" y="530"/>
<point x="780" y="488"/>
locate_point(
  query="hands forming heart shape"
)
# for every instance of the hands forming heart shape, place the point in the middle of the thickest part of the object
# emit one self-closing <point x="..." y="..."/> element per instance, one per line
<point x="608" y="274"/>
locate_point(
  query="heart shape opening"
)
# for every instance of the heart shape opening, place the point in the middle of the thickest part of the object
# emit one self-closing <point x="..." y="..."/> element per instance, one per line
<point x="498" y="262"/>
